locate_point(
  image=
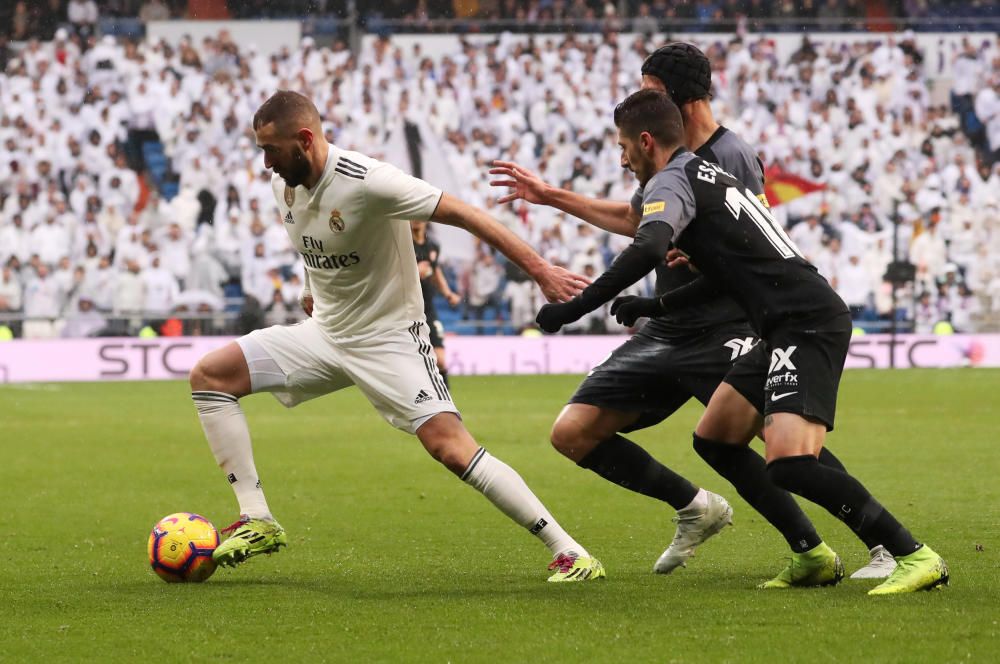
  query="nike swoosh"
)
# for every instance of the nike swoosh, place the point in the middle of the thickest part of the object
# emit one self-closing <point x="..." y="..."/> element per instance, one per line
<point x="778" y="397"/>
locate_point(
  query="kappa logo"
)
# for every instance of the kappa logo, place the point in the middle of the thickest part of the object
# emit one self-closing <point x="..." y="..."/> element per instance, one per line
<point x="289" y="219"/>
<point x="781" y="358"/>
<point x="740" y="346"/>
<point x="289" y="195"/>
<point x="422" y="396"/>
<point x="337" y="224"/>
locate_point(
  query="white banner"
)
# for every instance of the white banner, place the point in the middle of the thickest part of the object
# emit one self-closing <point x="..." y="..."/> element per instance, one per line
<point x="172" y="357"/>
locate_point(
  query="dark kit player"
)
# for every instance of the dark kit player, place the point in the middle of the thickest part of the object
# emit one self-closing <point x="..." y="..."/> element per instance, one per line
<point x="682" y="354"/>
<point x="792" y="375"/>
<point x="432" y="277"/>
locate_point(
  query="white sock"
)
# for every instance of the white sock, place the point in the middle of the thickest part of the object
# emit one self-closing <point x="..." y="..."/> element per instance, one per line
<point x="229" y="437"/>
<point x="699" y="504"/>
<point x="504" y="488"/>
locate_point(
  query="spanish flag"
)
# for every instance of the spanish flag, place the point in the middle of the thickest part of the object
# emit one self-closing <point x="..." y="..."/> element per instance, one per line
<point x="781" y="187"/>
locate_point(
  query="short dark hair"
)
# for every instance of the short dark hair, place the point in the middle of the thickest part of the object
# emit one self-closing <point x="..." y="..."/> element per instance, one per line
<point x="286" y="108"/>
<point x="653" y="112"/>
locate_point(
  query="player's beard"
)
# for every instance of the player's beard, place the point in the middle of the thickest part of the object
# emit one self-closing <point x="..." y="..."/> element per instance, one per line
<point x="298" y="168"/>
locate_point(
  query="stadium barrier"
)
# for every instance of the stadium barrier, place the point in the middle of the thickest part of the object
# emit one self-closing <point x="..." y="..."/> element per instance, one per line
<point x="172" y="357"/>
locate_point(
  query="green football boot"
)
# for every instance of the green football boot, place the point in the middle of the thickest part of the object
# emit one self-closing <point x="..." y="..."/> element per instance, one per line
<point x="819" y="566"/>
<point x="571" y="567"/>
<point x="250" y="537"/>
<point x="921" y="570"/>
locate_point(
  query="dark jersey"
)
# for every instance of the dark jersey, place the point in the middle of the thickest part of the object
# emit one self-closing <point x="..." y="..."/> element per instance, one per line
<point x="737" y="157"/>
<point x="428" y="251"/>
<point x="736" y="244"/>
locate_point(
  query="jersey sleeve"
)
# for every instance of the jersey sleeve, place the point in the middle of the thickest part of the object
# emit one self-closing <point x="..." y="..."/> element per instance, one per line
<point x="668" y="197"/>
<point x="637" y="200"/>
<point x="395" y="196"/>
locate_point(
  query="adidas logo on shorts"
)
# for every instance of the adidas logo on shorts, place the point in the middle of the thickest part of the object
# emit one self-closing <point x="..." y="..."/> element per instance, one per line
<point x="422" y="397"/>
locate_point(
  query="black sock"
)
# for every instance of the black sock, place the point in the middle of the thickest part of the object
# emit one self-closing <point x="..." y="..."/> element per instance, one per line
<point x="621" y="461"/>
<point x="844" y="497"/>
<point x="827" y="458"/>
<point x="747" y="472"/>
<point x="444" y="376"/>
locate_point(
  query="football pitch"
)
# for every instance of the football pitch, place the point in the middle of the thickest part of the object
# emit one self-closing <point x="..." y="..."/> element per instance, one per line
<point x="393" y="559"/>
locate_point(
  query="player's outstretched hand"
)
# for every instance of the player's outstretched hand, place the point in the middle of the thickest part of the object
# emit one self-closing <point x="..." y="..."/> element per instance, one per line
<point x="560" y="285"/>
<point x="551" y="317"/>
<point x="523" y="183"/>
<point x="630" y="308"/>
<point x="453" y="299"/>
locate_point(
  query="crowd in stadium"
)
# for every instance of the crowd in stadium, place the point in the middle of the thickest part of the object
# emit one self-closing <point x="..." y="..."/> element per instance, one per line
<point x="87" y="239"/>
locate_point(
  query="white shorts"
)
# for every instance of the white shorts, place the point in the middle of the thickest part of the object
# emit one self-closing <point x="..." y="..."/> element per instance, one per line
<point x="395" y="370"/>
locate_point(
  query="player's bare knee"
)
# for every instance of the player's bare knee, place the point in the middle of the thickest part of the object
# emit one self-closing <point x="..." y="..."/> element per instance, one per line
<point x="210" y="374"/>
<point x="566" y="436"/>
<point x="199" y="377"/>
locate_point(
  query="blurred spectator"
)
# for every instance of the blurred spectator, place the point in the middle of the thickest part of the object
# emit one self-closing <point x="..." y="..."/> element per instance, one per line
<point x="484" y="287"/>
<point x="44" y="300"/>
<point x="129" y="290"/>
<point x="87" y="321"/>
<point x="10" y="291"/>
<point x="854" y="285"/>
<point x="160" y="289"/>
<point x="83" y="14"/>
<point x="279" y="312"/>
<point x="519" y="294"/>
<point x="154" y="10"/>
<point x="926" y="315"/>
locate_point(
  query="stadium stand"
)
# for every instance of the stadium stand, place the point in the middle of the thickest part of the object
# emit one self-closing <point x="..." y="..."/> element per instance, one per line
<point x="131" y="191"/>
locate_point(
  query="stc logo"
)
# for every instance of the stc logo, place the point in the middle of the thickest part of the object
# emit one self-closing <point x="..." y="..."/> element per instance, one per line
<point x="138" y="359"/>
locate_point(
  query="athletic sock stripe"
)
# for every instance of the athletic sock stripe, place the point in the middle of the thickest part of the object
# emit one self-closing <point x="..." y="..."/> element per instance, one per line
<point x="347" y="162"/>
<point x="349" y="174"/>
<point x="213" y="396"/>
<point x="472" y="464"/>
<point x="413" y="330"/>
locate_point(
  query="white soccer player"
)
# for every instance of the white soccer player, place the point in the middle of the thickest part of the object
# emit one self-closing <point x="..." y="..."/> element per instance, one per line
<point x="347" y="215"/>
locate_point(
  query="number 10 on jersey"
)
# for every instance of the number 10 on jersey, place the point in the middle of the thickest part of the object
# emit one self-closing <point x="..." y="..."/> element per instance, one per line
<point x="737" y="200"/>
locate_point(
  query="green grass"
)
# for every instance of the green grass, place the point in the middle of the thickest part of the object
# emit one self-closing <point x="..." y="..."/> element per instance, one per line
<point x="391" y="558"/>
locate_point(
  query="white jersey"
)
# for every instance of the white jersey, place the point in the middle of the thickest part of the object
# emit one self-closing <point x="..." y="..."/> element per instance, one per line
<point x="352" y="233"/>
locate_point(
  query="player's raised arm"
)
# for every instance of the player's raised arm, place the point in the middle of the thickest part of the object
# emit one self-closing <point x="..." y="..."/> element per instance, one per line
<point x="612" y="216"/>
<point x="557" y="284"/>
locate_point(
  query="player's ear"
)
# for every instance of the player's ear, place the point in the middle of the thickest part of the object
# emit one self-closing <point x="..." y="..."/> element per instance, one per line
<point x="646" y="141"/>
<point x="305" y="137"/>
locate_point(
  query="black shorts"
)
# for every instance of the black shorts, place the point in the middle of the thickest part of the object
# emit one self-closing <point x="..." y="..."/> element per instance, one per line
<point x="796" y="370"/>
<point x="436" y="332"/>
<point x="656" y="377"/>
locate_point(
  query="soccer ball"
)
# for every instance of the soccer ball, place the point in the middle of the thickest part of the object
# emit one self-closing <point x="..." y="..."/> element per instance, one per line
<point x="180" y="547"/>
